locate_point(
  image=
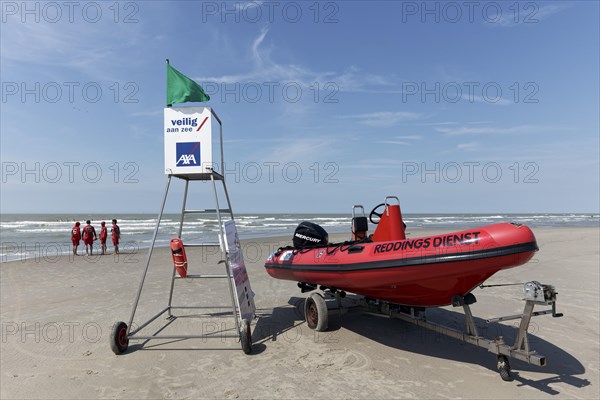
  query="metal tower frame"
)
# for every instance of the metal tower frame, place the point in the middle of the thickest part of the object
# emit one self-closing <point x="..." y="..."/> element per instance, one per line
<point x="122" y="333"/>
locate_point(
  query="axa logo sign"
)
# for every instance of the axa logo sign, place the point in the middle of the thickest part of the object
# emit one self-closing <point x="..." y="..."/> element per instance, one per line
<point x="188" y="154"/>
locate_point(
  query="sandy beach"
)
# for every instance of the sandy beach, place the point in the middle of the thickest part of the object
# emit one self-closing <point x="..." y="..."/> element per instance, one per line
<point x="57" y="314"/>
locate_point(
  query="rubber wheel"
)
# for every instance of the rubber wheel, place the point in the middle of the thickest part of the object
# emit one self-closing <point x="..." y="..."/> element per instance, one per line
<point x="315" y="312"/>
<point x="504" y="368"/>
<point x="246" y="337"/>
<point x="118" y="338"/>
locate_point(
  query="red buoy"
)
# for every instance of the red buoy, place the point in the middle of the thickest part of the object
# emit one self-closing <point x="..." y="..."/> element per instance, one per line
<point x="179" y="257"/>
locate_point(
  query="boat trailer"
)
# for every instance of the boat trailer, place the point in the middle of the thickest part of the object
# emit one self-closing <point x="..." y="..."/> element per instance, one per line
<point x="316" y="315"/>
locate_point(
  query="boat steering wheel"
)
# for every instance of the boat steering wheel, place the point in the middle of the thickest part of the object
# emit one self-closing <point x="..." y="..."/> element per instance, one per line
<point x="374" y="212"/>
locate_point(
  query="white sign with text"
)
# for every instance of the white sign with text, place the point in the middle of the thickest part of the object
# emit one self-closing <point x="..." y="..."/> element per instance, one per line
<point x="244" y="294"/>
<point x="188" y="140"/>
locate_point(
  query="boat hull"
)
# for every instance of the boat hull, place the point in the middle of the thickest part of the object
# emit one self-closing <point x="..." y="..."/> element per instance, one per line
<point x="424" y="272"/>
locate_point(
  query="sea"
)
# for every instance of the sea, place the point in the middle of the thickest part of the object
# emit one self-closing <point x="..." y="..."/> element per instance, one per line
<point x="24" y="236"/>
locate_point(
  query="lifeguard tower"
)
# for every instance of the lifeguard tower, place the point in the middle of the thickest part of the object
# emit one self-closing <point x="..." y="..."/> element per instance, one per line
<point x="189" y="152"/>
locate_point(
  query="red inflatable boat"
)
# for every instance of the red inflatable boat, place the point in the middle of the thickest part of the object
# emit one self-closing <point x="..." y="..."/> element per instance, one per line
<point x="424" y="272"/>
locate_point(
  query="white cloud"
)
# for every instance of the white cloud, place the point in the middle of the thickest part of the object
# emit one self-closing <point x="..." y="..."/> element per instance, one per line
<point x="489" y="130"/>
<point x="526" y="14"/>
<point x="256" y="54"/>
<point x="471" y="146"/>
<point x="299" y="150"/>
<point x="394" y="142"/>
<point x="384" y="118"/>
<point x="264" y="69"/>
<point x="82" y="47"/>
<point x="499" y="101"/>
<point x="410" y="137"/>
<point x="404" y="140"/>
<point x="241" y="7"/>
<point x="147" y="113"/>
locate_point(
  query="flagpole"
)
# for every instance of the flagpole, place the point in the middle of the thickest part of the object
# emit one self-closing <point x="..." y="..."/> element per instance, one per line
<point x="168" y="105"/>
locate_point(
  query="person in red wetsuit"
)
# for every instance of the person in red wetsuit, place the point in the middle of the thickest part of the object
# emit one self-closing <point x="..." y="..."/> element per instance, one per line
<point x="89" y="235"/>
<point x="116" y="235"/>
<point x="75" y="237"/>
<point x="103" y="236"/>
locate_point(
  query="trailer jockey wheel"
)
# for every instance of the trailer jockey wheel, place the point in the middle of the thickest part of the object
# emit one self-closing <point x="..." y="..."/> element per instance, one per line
<point x="246" y="337"/>
<point x="373" y="212"/>
<point x="504" y="368"/>
<point x="315" y="312"/>
<point x="118" y="338"/>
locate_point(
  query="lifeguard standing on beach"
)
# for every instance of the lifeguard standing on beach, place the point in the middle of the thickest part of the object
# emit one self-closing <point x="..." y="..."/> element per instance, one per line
<point x="75" y="237"/>
<point x="89" y="235"/>
<point x="116" y="235"/>
<point x="103" y="236"/>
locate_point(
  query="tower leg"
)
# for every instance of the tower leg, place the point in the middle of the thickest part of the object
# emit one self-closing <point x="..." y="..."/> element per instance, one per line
<point x="225" y="256"/>
<point x="139" y="292"/>
<point x="228" y="201"/>
<point x="179" y="232"/>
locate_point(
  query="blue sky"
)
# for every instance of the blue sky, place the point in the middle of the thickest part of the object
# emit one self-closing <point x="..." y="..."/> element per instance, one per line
<point x="488" y="109"/>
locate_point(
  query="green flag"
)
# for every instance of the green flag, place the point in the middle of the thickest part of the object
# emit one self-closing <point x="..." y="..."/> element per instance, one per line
<point x="181" y="89"/>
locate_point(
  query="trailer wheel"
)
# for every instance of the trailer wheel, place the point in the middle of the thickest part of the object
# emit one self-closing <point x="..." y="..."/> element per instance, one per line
<point x="118" y="338"/>
<point x="504" y="368"/>
<point x="315" y="312"/>
<point x="246" y="337"/>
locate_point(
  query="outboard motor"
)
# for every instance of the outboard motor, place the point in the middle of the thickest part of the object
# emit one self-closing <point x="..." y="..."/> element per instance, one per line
<point x="308" y="235"/>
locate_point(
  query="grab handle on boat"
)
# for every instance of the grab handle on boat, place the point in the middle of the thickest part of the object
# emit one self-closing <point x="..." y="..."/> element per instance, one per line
<point x="388" y="204"/>
<point x="356" y="206"/>
<point x="355" y="249"/>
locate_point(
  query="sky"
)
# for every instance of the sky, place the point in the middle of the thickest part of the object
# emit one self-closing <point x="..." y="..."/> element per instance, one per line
<point x="454" y="107"/>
